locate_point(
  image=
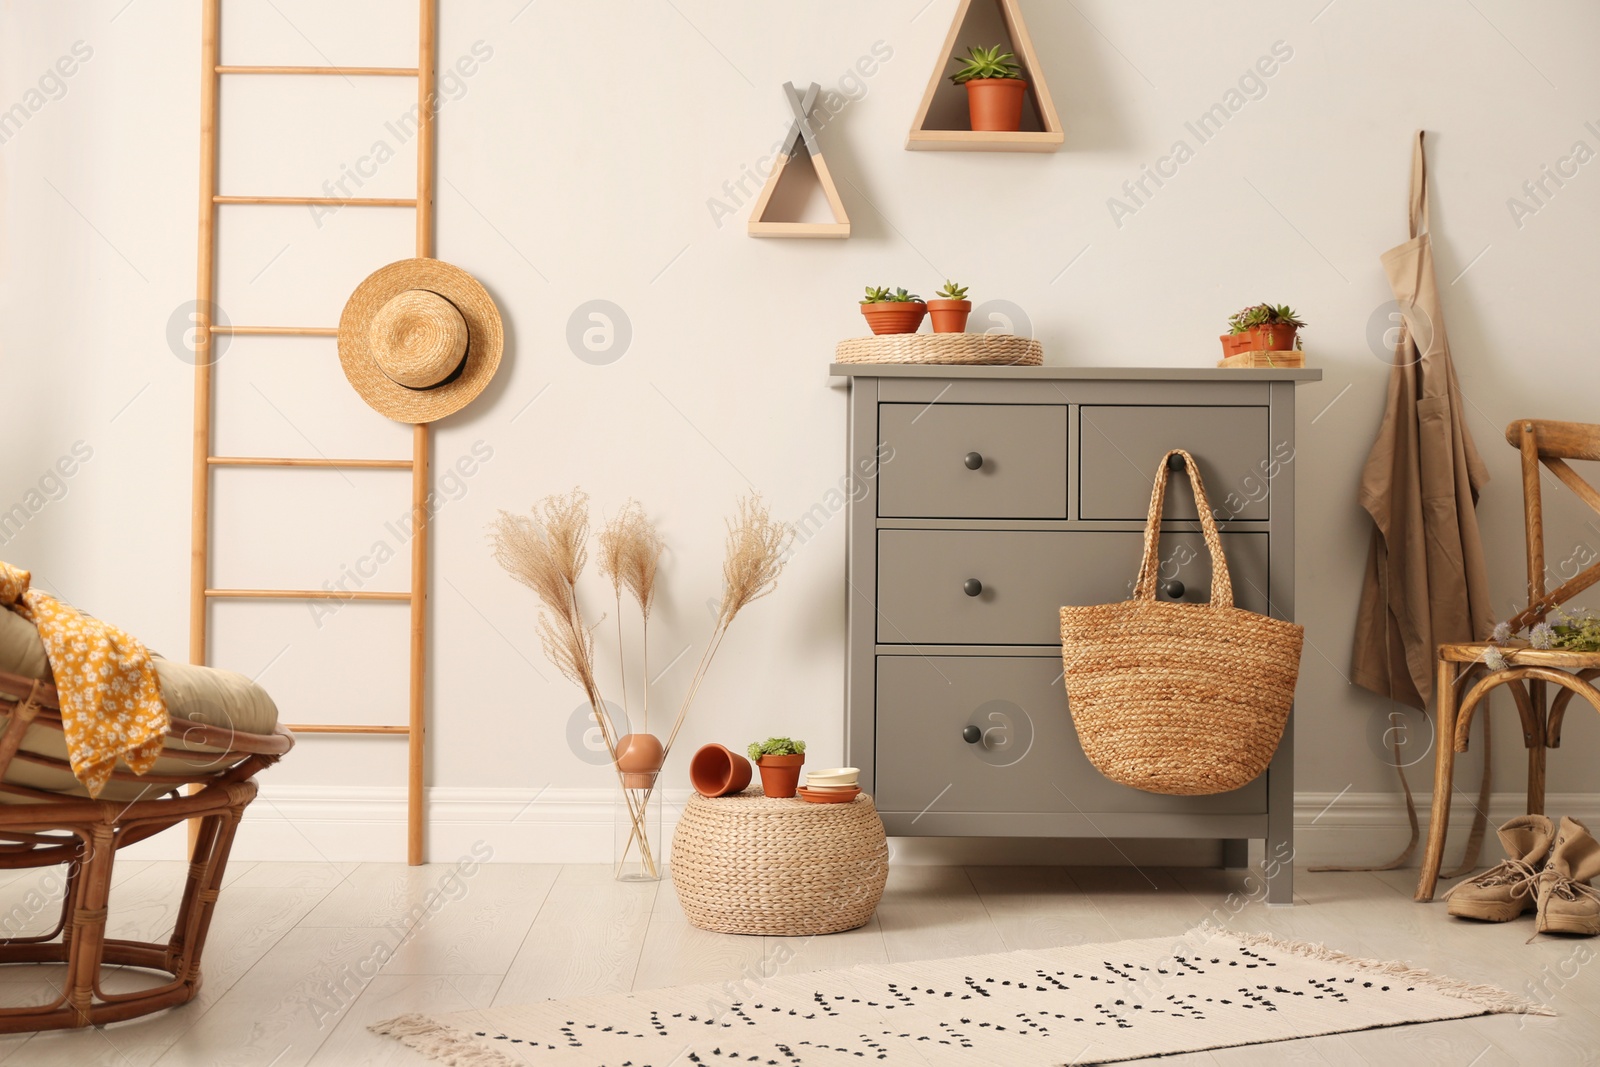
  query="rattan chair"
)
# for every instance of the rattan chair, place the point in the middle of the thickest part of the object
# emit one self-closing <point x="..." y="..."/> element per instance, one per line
<point x="39" y="828"/>
<point x="1530" y="673"/>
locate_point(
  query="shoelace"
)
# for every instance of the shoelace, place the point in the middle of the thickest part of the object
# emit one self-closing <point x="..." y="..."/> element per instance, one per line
<point x="1520" y="876"/>
<point x="1566" y="888"/>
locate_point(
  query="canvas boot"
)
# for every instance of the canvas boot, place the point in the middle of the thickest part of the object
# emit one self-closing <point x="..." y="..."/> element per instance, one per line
<point x="1507" y="889"/>
<point x="1568" y="904"/>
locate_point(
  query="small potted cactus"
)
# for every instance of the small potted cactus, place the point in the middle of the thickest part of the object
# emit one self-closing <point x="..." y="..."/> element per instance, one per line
<point x="994" y="88"/>
<point x="779" y="760"/>
<point x="949" y="310"/>
<point x="893" y="311"/>
<point x="1262" y="328"/>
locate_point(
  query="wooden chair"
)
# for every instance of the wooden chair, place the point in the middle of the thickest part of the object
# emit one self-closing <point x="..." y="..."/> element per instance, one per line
<point x="1530" y="674"/>
<point x="39" y="828"/>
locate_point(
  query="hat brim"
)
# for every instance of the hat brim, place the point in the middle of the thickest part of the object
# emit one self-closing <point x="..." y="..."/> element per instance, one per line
<point x="485" y="340"/>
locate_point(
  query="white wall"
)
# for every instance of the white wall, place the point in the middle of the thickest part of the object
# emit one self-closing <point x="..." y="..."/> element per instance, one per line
<point x="578" y="162"/>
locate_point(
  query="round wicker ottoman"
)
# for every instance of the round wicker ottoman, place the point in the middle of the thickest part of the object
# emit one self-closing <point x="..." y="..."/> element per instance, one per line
<point x="744" y="864"/>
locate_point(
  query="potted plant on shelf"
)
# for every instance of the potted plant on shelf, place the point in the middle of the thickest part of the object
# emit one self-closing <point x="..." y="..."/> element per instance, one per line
<point x="779" y="760"/>
<point x="894" y="311"/>
<point x="950" y="309"/>
<point x="994" y="88"/>
<point x="1262" y="328"/>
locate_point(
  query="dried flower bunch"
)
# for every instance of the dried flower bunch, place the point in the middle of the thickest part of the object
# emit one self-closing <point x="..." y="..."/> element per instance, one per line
<point x="1578" y="632"/>
<point x="547" y="549"/>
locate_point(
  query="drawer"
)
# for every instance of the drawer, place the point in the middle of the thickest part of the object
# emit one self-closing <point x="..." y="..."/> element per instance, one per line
<point x="1119" y="447"/>
<point x="1028" y="760"/>
<point x="1021" y="461"/>
<point x="1027" y="576"/>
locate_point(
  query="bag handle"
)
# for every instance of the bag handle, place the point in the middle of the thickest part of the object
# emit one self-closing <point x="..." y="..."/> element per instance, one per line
<point x="1221" y="583"/>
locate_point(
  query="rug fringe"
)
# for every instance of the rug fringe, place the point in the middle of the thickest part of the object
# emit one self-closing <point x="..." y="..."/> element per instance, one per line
<point x="1492" y="998"/>
<point x="445" y="1044"/>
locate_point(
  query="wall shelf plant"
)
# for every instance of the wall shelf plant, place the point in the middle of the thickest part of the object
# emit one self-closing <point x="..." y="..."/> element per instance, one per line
<point x="942" y="122"/>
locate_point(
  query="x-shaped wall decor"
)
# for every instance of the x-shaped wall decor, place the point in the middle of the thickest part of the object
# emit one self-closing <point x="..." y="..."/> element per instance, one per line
<point x="800" y="132"/>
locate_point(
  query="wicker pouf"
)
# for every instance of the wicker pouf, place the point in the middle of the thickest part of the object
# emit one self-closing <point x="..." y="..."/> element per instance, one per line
<point x="748" y="865"/>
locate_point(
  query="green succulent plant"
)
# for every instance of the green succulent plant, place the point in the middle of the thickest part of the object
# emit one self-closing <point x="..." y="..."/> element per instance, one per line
<point x="776" y="746"/>
<point x="1263" y="315"/>
<point x="952" y="291"/>
<point x="985" y="63"/>
<point x="877" y="295"/>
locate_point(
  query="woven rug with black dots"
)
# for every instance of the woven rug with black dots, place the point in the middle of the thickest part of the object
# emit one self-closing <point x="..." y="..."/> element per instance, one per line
<point x="1102" y="1003"/>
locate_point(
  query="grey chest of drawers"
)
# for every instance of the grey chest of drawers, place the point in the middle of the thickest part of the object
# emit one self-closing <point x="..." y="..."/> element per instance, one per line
<point x="986" y="498"/>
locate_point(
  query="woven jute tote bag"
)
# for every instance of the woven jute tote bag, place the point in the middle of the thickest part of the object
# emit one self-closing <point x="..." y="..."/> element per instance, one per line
<point x="1179" y="698"/>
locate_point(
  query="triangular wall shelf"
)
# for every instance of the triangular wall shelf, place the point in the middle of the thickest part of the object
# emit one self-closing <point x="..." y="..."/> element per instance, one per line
<point x="941" y="123"/>
<point x="759" y="226"/>
<point x="802" y="137"/>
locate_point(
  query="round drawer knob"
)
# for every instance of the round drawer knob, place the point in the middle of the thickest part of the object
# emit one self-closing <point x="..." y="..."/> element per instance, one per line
<point x="1175" y="590"/>
<point x="974" y="460"/>
<point x="971" y="735"/>
<point x="972" y="587"/>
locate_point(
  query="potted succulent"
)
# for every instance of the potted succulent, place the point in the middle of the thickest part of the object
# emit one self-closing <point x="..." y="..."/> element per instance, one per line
<point x="949" y="310"/>
<point x="779" y="760"/>
<point x="994" y="88"/>
<point x="894" y="311"/>
<point x="1262" y="328"/>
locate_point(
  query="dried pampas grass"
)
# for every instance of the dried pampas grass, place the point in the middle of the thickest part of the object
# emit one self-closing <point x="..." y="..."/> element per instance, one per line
<point x="754" y="558"/>
<point x="547" y="550"/>
<point x="630" y="555"/>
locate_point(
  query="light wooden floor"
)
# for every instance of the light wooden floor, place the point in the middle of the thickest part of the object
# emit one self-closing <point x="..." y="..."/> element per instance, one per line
<point x="303" y="956"/>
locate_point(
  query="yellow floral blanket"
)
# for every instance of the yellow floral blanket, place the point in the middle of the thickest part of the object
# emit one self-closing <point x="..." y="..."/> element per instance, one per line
<point x="110" y="697"/>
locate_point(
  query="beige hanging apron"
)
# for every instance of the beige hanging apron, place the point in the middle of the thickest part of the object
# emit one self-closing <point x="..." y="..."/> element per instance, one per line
<point x="1425" y="582"/>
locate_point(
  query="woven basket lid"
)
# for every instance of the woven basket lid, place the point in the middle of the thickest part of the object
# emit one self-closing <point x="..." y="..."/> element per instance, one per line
<point x="419" y="339"/>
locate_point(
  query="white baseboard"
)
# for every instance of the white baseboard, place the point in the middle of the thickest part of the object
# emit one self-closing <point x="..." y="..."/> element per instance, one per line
<point x="368" y="824"/>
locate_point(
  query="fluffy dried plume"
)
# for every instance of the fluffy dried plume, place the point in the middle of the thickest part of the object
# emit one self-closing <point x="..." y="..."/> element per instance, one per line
<point x="754" y="557"/>
<point x="630" y="555"/>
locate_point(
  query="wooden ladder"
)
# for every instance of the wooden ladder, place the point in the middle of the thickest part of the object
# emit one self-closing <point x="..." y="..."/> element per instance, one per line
<point x="200" y="591"/>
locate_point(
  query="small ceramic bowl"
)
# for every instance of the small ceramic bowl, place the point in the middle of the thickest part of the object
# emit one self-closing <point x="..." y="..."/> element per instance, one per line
<point x="834" y="776"/>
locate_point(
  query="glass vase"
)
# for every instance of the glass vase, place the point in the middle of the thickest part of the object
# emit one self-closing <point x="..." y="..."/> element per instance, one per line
<point x="636" y="855"/>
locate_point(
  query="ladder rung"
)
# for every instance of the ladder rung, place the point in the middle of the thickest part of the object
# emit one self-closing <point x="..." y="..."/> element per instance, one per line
<point x="303" y="594"/>
<point x="342" y="201"/>
<point x="320" y="728"/>
<point x="266" y="461"/>
<point x="376" y="72"/>
<point x="295" y="331"/>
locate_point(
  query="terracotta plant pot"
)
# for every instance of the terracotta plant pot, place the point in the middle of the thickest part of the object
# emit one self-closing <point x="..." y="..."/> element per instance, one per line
<point x="716" y="771"/>
<point x="1274" y="338"/>
<point x="949" y="316"/>
<point x="995" y="104"/>
<point x="639" y="758"/>
<point x="780" y="774"/>
<point x="894" y="317"/>
<point x="1234" y="344"/>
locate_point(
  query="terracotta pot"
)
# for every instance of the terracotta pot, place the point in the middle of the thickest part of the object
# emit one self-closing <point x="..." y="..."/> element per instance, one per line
<point x="995" y="104"/>
<point x="895" y="317"/>
<point x="780" y="774"/>
<point x="716" y="771"/>
<point x="639" y="758"/>
<point x="1235" y="343"/>
<point x="1274" y="338"/>
<point x="949" y="316"/>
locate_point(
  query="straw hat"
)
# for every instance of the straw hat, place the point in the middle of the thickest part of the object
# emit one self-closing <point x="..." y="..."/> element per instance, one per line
<point x="419" y="339"/>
